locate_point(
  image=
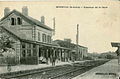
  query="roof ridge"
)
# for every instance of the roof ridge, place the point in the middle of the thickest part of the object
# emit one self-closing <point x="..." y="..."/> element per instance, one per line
<point x="8" y="14"/>
<point x="34" y="21"/>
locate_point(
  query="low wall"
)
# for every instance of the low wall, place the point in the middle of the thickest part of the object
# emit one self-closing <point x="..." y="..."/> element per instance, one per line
<point x="29" y="60"/>
<point x="8" y="61"/>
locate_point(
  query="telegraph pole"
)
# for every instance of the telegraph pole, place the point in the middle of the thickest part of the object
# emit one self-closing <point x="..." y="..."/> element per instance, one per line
<point x="54" y="26"/>
<point x="53" y="50"/>
<point x="77" y="41"/>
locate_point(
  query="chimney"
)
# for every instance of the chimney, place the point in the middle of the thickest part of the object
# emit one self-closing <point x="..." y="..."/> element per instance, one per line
<point x="6" y="11"/>
<point x="25" y="10"/>
<point x="42" y="19"/>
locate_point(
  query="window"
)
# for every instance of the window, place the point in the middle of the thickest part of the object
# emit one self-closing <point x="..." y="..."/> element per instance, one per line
<point x="49" y="39"/>
<point x="19" y="21"/>
<point x="34" y="46"/>
<point x="34" y="50"/>
<point x="28" y="46"/>
<point x="38" y="36"/>
<point x="23" y="53"/>
<point x="23" y="45"/>
<point x="13" y="21"/>
<point x="44" y="38"/>
<point x="28" y="52"/>
<point x="28" y="49"/>
<point x="23" y="49"/>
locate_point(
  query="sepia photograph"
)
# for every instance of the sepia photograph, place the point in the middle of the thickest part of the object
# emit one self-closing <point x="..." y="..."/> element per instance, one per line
<point x="60" y="39"/>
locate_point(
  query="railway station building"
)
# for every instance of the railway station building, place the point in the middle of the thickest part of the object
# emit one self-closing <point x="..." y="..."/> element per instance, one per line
<point x="33" y="38"/>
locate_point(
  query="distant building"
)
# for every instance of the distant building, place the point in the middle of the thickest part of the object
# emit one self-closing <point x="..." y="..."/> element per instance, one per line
<point x="82" y="51"/>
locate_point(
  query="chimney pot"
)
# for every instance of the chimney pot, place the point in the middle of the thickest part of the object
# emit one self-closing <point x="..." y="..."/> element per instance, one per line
<point x="25" y="10"/>
<point x="6" y="11"/>
<point x="43" y="19"/>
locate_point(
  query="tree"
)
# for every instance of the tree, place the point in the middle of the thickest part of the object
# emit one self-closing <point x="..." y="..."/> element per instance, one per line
<point x="5" y="43"/>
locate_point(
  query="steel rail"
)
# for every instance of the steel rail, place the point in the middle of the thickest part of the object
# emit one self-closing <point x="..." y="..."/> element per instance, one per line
<point x="34" y="72"/>
<point x="70" y="71"/>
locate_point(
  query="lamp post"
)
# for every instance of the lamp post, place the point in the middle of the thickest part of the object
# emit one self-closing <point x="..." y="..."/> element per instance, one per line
<point x="77" y="41"/>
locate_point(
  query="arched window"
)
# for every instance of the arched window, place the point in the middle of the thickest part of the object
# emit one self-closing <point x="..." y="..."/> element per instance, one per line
<point x="19" y="21"/>
<point x="12" y="21"/>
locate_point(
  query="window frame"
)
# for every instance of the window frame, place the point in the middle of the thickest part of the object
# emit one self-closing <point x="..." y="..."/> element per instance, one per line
<point x="49" y="39"/>
<point x="13" y="21"/>
<point x="39" y="39"/>
<point x="43" y="37"/>
<point x="19" y="21"/>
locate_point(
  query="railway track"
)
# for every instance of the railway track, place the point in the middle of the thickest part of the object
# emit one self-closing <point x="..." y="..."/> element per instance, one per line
<point x="74" y="72"/>
<point x="29" y="72"/>
<point x="59" y="72"/>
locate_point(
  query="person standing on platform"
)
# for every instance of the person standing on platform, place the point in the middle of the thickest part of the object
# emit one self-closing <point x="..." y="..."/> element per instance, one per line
<point x="53" y="58"/>
<point x="53" y="62"/>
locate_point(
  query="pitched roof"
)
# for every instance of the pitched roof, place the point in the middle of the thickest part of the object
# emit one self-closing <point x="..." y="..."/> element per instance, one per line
<point x="29" y="19"/>
<point x="16" y="32"/>
<point x="67" y="44"/>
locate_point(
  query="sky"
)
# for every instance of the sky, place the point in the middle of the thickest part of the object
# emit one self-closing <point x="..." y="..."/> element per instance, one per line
<point x="98" y="27"/>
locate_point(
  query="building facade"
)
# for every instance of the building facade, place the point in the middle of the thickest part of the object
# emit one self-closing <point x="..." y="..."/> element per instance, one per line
<point x="33" y="39"/>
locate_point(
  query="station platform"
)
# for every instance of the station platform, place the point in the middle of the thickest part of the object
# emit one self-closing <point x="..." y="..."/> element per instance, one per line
<point x="3" y="69"/>
<point x="109" y="70"/>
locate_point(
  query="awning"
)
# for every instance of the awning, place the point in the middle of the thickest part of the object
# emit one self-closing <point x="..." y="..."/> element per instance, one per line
<point x="115" y="44"/>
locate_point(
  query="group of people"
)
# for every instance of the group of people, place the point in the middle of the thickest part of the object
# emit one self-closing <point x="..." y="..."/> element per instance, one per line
<point x="45" y="60"/>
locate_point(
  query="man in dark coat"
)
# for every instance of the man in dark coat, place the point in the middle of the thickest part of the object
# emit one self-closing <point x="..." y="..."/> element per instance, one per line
<point x="53" y="61"/>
